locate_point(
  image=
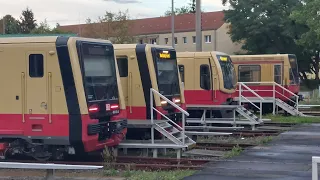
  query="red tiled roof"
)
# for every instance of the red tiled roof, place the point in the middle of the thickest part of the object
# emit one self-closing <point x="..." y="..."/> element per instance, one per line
<point x="159" y="25"/>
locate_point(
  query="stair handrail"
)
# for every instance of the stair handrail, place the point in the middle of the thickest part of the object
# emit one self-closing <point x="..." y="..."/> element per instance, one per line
<point x="296" y="96"/>
<point x="241" y="84"/>
<point x="184" y="113"/>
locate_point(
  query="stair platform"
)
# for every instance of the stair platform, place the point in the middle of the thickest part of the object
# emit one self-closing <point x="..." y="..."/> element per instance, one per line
<point x="207" y="133"/>
<point x="211" y="107"/>
<point x="255" y="99"/>
<point x="213" y="127"/>
<point x="146" y="123"/>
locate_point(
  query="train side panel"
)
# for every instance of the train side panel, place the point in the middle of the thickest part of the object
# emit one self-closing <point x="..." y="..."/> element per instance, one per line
<point x="33" y="96"/>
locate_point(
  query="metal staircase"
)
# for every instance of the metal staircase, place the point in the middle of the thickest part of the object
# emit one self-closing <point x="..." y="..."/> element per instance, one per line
<point x="243" y="111"/>
<point x="276" y="93"/>
<point x="174" y="134"/>
<point x="290" y="109"/>
<point x="248" y="115"/>
<point x="169" y="128"/>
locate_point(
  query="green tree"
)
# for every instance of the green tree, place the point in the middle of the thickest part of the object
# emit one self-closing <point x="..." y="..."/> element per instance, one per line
<point x="44" y="28"/>
<point x="28" y="22"/>
<point x="190" y="8"/>
<point x="178" y="11"/>
<point x="112" y="26"/>
<point x="309" y="15"/>
<point x="11" y="25"/>
<point x="264" y="27"/>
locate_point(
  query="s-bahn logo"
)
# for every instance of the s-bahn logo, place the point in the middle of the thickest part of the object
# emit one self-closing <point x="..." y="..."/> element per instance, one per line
<point x="164" y="55"/>
<point x="108" y="107"/>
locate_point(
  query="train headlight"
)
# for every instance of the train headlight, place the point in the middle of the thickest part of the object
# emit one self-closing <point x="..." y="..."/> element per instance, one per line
<point x="176" y="100"/>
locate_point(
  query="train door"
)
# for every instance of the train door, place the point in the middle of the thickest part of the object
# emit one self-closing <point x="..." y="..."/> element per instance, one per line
<point x="122" y="61"/>
<point x="36" y="89"/>
<point x="203" y="78"/>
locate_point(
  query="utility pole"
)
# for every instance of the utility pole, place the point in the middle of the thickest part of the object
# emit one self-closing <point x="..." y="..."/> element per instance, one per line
<point x="198" y="27"/>
<point x="172" y="23"/>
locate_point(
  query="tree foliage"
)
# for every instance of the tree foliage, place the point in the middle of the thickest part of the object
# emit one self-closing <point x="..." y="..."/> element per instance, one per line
<point x="309" y="15"/>
<point x="190" y="8"/>
<point x="178" y="11"/>
<point x="11" y="25"/>
<point x="112" y="26"/>
<point x="27" y="25"/>
<point x="28" y="22"/>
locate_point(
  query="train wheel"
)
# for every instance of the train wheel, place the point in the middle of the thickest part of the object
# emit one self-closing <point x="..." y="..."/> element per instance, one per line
<point x="40" y="153"/>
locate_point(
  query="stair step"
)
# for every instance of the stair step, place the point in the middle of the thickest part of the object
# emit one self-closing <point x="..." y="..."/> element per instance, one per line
<point x="165" y="126"/>
<point x="175" y="131"/>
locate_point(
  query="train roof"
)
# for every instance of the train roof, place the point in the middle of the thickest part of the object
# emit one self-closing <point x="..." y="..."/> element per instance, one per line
<point x="258" y="57"/>
<point x="133" y="46"/>
<point x="42" y="39"/>
<point x="200" y="54"/>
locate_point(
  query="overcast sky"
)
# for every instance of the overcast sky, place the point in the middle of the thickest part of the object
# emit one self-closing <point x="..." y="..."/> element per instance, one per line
<point x="76" y="11"/>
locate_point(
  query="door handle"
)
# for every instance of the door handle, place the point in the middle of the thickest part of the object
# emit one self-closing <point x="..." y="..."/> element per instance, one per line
<point x="44" y="105"/>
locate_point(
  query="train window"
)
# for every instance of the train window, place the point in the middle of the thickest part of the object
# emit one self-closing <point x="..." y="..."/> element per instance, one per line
<point x="249" y="73"/>
<point x="205" y="77"/>
<point x="36" y="67"/>
<point x="123" y="66"/>
<point x="181" y="70"/>
<point x="277" y="74"/>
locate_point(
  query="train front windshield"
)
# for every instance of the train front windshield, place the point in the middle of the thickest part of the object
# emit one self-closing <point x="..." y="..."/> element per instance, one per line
<point x="228" y="72"/>
<point x="99" y="71"/>
<point x="167" y="71"/>
<point x="294" y="73"/>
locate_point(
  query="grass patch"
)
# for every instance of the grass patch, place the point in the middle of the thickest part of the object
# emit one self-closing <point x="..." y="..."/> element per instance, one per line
<point x="258" y="140"/>
<point x="236" y="150"/>
<point x="265" y="140"/>
<point x="293" y="119"/>
<point x="149" y="175"/>
<point x="160" y="175"/>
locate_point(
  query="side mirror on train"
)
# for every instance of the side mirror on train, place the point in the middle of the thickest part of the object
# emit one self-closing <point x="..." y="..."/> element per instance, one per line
<point x="205" y="81"/>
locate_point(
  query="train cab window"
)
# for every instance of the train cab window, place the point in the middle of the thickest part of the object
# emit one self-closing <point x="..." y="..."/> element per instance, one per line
<point x="277" y="74"/>
<point x="123" y="66"/>
<point x="249" y="73"/>
<point x="36" y="67"/>
<point x="181" y="70"/>
<point x="205" y="77"/>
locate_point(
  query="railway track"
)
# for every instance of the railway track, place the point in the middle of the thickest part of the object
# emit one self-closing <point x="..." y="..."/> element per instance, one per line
<point x="136" y="163"/>
<point x="220" y="146"/>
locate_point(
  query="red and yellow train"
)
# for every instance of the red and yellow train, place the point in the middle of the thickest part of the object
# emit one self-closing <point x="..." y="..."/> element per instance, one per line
<point x="60" y="95"/>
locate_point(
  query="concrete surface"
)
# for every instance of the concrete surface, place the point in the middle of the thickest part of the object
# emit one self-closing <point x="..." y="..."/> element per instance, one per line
<point x="287" y="157"/>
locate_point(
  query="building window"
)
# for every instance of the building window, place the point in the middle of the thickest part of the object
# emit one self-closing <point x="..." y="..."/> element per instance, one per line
<point x="193" y="39"/>
<point x="181" y="70"/>
<point x="153" y="41"/>
<point x="175" y="40"/>
<point x="123" y="66"/>
<point x="249" y="73"/>
<point x="166" y="40"/>
<point x="141" y="41"/>
<point x="36" y="65"/>
<point x="207" y="38"/>
<point x="184" y="40"/>
<point x="205" y="77"/>
<point x="277" y="74"/>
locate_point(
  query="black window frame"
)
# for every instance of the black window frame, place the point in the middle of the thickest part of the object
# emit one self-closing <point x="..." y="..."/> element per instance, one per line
<point x="208" y="75"/>
<point x="33" y="73"/>
<point x="251" y="80"/>
<point x="121" y="74"/>
<point x="181" y="72"/>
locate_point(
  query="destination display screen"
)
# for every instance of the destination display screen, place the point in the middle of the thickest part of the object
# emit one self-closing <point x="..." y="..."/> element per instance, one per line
<point x="166" y="54"/>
